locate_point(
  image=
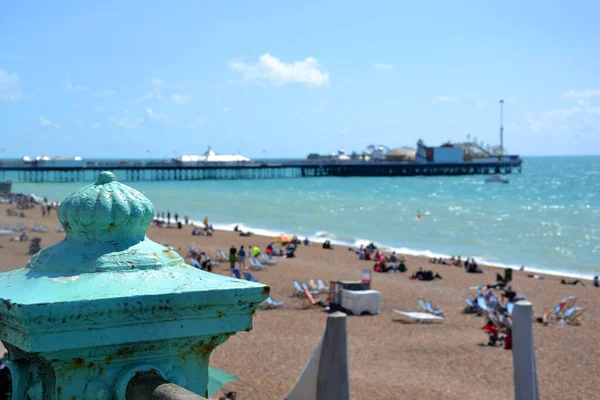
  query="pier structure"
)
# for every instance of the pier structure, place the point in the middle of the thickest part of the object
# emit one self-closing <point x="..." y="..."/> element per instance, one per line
<point x="156" y="171"/>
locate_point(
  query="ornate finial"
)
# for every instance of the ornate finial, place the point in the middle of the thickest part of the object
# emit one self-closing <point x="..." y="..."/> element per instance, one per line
<point x="106" y="177"/>
<point x="106" y="210"/>
<point x="106" y="225"/>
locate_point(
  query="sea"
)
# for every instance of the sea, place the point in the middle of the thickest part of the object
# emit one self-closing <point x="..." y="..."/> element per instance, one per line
<point x="546" y="219"/>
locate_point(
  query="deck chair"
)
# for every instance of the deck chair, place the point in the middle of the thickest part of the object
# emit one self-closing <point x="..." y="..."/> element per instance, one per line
<point x="305" y="287"/>
<point x="299" y="292"/>
<point x="418" y="317"/>
<point x="267" y="259"/>
<point x="270" y="304"/>
<point x="222" y="255"/>
<point x="557" y="312"/>
<point x="510" y="307"/>
<point x="574" y="316"/>
<point x="255" y="264"/>
<point x="39" y="228"/>
<point x="321" y="286"/>
<point x="482" y="304"/>
<point x="236" y="273"/>
<point x="196" y="263"/>
<point x="248" y="276"/>
<point x="310" y="301"/>
<point x="313" y="285"/>
<point x="428" y="307"/>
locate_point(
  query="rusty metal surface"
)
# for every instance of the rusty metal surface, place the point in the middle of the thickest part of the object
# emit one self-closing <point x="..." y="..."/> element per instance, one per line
<point x="152" y="386"/>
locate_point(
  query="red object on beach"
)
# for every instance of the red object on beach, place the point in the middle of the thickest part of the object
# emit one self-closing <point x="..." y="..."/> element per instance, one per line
<point x="508" y="341"/>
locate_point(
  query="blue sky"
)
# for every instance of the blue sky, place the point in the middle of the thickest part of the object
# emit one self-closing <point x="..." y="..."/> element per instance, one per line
<point x="272" y="78"/>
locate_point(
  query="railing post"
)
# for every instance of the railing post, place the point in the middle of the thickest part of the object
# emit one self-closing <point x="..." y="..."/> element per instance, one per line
<point x="325" y="376"/>
<point x="524" y="366"/>
<point x="106" y="305"/>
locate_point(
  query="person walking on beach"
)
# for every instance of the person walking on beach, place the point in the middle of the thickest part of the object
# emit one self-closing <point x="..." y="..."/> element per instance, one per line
<point x="187" y="220"/>
<point x="168" y="217"/>
<point x="233" y="256"/>
<point x="176" y="216"/>
<point x="43" y="212"/>
<point x="242" y="257"/>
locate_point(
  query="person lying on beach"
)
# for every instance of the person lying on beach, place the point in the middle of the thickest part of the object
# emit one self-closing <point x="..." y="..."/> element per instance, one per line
<point x="535" y="276"/>
<point x="421" y="275"/>
<point x="572" y="282"/>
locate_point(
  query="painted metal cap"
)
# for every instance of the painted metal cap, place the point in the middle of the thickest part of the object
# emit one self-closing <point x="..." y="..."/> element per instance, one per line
<point x="106" y="210"/>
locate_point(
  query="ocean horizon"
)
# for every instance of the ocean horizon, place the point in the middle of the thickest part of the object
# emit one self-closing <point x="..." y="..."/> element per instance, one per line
<point x="546" y="219"/>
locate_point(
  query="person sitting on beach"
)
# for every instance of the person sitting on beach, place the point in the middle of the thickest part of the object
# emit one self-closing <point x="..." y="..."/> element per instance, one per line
<point x="205" y="261"/>
<point x="474" y="269"/>
<point x="393" y="257"/>
<point x="306" y="242"/>
<point x="269" y="249"/>
<point x="571" y="282"/>
<point x="361" y="254"/>
<point x="595" y="282"/>
<point x="236" y="228"/>
<point x="401" y="267"/>
<point x="327" y="245"/>
<point x="458" y="262"/>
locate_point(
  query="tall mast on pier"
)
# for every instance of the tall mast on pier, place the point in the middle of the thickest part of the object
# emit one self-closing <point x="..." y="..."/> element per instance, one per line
<point x="501" y="127"/>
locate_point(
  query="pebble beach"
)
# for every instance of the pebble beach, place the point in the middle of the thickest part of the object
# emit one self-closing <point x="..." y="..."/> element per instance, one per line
<point x="387" y="359"/>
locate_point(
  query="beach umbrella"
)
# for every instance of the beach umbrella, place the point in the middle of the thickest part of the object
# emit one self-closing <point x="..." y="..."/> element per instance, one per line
<point x="217" y="379"/>
<point x="283" y="238"/>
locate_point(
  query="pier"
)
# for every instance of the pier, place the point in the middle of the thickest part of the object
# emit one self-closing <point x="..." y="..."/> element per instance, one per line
<point x="170" y="171"/>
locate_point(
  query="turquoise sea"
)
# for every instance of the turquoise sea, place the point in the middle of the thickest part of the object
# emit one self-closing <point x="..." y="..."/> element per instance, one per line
<point x="547" y="218"/>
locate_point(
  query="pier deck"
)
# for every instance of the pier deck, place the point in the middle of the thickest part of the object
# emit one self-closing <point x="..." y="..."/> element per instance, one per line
<point x="156" y="171"/>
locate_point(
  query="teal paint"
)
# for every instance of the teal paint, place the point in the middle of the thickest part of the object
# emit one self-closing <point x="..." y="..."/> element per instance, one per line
<point x="89" y="312"/>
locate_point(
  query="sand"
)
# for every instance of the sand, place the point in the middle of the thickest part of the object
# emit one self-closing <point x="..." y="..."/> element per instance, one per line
<point x="388" y="360"/>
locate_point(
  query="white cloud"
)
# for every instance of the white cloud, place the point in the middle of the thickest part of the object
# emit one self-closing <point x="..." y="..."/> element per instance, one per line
<point x="126" y="121"/>
<point x="271" y="70"/>
<point x="158" y="117"/>
<point x="150" y="95"/>
<point x="582" y="94"/>
<point x="480" y="104"/>
<point x="46" y="122"/>
<point x="383" y="66"/>
<point x="197" y="123"/>
<point x="444" y="99"/>
<point x="68" y="138"/>
<point x="579" y="119"/>
<point x="318" y="109"/>
<point x="157" y="82"/>
<point x="98" y="109"/>
<point x="345" y="131"/>
<point x="105" y="94"/>
<point x="95" y="125"/>
<point x="181" y="99"/>
<point x="72" y="87"/>
<point x="226" y="109"/>
<point x="10" y="86"/>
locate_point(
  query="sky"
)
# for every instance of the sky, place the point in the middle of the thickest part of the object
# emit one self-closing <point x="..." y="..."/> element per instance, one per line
<point x="284" y="79"/>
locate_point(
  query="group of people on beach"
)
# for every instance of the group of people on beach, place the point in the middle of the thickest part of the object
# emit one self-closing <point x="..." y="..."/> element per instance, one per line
<point x="469" y="264"/>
